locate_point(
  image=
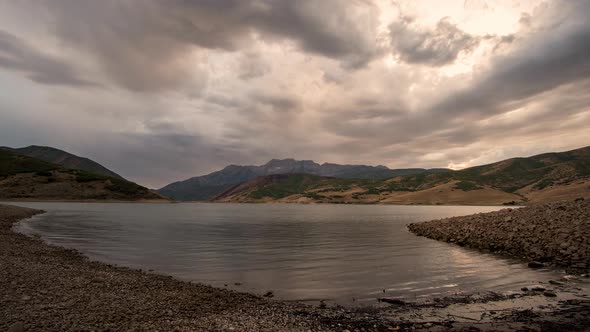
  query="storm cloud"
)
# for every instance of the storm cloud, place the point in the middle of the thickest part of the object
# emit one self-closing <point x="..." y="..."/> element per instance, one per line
<point x="435" y="47"/>
<point x="146" y="45"/>
<point x="17" y="55"/>
<point x="160" y="91"/>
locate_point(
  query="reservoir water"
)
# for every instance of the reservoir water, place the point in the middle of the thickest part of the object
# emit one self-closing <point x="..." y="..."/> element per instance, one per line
<point x="341" y="253"/>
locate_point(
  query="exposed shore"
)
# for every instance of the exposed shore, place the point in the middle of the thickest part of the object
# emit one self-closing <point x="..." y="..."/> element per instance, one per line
<point x="554" y="233"/>
<point x="47" y="288"/>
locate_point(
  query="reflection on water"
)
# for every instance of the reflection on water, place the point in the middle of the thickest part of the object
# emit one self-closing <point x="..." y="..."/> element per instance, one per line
<point x="336" y="252"/>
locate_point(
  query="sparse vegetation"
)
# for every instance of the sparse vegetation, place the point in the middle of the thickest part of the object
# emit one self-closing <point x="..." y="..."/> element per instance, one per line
<point x="467" y="186"/>
<point x="42" y="173"/>
<point x="82" y="176"/>
<point x="507" y="176"/>
<point x="543" y="184"/>
<point x="12" y="164"/>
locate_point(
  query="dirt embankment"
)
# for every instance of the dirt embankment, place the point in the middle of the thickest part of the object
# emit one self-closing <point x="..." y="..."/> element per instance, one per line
<point x="557" y="233"/>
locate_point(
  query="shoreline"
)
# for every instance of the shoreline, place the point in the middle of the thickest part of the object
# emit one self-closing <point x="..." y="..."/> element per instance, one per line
<point x="16" y="200"/>
<point x="554" y="234"/>
<point x="32" y="200"/>
<point x="51" y="288"/>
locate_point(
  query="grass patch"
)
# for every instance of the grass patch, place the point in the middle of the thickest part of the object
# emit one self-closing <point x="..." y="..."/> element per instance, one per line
<point x="467" y="186"/>
<point x="12" y="164"/>
<point x="543" y="184"/>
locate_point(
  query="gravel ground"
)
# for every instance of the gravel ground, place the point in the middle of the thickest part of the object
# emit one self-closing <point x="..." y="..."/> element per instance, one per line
<point x="555" y="233"/>
<point x="47" y="288"/>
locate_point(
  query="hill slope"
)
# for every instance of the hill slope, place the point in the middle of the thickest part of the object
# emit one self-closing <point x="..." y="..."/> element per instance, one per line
<point x="540" y="178"/>
<point x="211" y="185"/>
<point x="23" y="177"/>
<point x="63" y="158"/>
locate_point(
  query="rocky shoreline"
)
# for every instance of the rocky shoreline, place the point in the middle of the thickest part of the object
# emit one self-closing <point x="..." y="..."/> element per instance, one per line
<point x="48" y="288"/>
<point x="555" y="233"/>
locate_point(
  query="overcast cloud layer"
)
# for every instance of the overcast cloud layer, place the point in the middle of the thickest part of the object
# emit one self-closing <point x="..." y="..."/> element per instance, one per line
<point x="160" y="91"/>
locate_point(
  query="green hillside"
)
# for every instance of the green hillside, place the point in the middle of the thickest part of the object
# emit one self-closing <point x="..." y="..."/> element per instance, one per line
<point x="63" y="158"/>
<point x="511" y="179"/>
<point x="23" y="177"/>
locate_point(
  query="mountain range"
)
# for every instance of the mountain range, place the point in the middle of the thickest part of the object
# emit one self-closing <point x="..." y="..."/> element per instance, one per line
<point x="46" y="173"/>
<point x="544" y="177"/>
<point x="211" y="185"/>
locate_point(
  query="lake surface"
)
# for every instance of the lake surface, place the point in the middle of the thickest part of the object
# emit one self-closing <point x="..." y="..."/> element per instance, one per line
<point x="300" y="252"/>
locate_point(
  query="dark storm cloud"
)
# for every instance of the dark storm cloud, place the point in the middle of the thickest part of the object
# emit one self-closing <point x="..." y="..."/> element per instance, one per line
<point x="143" y="44"/>
<point x="436" y="47"/>
<point x="17" y="55"/>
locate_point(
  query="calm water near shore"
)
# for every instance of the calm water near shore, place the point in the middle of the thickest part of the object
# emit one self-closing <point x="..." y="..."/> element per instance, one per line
<point x="300" y="252"/>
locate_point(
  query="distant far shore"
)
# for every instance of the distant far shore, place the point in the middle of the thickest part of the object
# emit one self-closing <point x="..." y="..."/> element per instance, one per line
<point x="16" y="200"/>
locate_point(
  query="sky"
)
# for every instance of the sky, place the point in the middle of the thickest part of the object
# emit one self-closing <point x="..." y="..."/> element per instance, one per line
<point x="160" y="91"/>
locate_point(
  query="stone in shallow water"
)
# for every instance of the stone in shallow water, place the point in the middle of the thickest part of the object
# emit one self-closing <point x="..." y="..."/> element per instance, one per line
<point x="536" y="265"/>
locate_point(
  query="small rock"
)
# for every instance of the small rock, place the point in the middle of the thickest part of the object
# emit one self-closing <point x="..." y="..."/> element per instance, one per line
<point x="25" y="298"/>
<point x="269" y="294"/>
<point x="549" y="294"/>
<point x="525" y="289"/>
<point x="392" y="301"/>
<point x="536" y="265"/>
<point x="538" y="289"/>
<point x="555" y="282"/>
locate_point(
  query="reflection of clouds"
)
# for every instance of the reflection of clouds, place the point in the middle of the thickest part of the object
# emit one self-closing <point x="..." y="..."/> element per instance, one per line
<point x="461" y="257"/>
<point x="298" y="251"/>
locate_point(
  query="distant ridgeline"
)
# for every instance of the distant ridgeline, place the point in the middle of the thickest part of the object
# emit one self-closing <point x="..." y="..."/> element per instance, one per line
<point x="210" y="186"/>
<point x="62" y="158"/>
<point x="67" y="177"/>
<point x="45" y="173"/>
<point x="541" y="178"/>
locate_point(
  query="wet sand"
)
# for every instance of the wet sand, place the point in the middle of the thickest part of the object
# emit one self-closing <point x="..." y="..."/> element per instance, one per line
<point x="47" y="288"/>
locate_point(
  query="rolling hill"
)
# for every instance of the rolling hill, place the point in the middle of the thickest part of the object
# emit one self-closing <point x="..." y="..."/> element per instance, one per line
<point x="209" y="186"/>
<point x="27" y="178"/>
<point x="544" y="177"/>
<point x="63" y="158"/>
